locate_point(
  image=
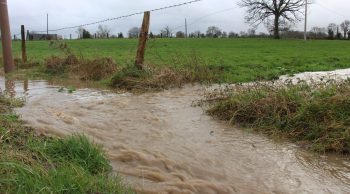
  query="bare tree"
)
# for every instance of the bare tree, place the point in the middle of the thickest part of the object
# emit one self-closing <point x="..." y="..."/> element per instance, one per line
<point x="134" y="32"/>
<point x="345" y="27"/>
<point x="103" y="31"/>
<point x="214" y="32"/>
<point x="232" y="35"/>
<point x="251" y="32"/>
<point x="262" y="10"/>
<point x="224" y="35"/>
<point x="80" y="31"/>
<point x="318" y="32"/>
<point x="332" y="28"/>
<point x="166" y="32"/>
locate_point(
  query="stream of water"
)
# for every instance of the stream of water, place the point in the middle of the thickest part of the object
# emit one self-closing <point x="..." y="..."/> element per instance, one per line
<point x="159" y="143"/>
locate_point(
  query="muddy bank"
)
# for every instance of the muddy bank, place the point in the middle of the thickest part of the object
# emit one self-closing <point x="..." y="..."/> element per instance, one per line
<point x="162" y="144"/>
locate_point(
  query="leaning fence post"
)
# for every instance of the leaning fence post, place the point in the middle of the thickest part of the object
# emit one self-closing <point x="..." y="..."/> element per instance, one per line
<point x="24" y="50"/>
<point x="6" y="37"/>
<point x="140" y="55"/>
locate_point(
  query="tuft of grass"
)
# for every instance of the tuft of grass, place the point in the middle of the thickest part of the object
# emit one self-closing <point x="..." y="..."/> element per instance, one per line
<point x="21" y="178"/>
<point x="78" y="150"/>
<point x="94" y="69"/>
<point x="150" y="78"/>
<point x="314" y="115"/>
<point x="36" y="164"/>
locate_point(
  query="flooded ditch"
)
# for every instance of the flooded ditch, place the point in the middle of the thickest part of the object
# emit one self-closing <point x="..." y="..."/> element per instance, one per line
<point x="161" y="144"/>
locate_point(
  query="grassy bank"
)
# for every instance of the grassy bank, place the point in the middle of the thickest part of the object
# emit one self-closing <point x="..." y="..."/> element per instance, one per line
<point x="239" y="60"/>
<point x="35" y="164"/>
<point x="317" y="116"/>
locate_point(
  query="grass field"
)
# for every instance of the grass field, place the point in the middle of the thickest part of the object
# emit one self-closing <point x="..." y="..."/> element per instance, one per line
<point x="241" y="60"/>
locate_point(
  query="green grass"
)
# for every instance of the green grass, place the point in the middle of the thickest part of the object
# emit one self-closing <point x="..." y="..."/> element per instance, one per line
<point x="318" y="116"/>
<point x="35" y="164"/>
<point x="242" y="60"/>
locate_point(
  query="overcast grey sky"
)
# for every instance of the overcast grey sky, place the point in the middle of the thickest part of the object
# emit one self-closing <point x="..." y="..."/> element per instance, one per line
<point x="62" y="13"/>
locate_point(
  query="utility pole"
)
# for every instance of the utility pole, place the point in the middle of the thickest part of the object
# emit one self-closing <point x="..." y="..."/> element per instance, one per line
<point x="186" y="34"/>
<point x="47" y="26"/>
<point x="6" y="37"/>
<point x="305" y="26"/>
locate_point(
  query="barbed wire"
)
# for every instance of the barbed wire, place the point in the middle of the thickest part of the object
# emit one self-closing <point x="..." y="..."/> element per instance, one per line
<point x="121" y="17"/>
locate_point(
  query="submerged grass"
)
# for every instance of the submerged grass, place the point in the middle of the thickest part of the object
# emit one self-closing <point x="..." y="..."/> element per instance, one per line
<point x="317" y="116"/>
<point x="35" y="164"/>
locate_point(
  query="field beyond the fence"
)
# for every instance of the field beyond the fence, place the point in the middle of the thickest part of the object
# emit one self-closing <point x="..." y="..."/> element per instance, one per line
<point x="241" y="60"/>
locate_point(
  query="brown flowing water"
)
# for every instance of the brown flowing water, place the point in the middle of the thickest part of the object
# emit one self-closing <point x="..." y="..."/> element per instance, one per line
<point x="160" y="143"/>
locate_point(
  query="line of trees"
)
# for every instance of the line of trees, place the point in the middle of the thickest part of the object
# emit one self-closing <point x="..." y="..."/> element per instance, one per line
<point x="332" y="32"/>
<point x="102" y="32"/>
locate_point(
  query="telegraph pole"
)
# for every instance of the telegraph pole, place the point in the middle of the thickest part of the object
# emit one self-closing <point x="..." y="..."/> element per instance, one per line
<point x="305" y="26"/>
<point x="186" y="34"/>
<point x="6" y="37"/>
<point x="47" y="26"/>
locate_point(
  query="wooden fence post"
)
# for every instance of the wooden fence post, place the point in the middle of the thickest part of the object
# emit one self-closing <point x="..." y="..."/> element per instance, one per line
<point x="140" y="55"/>
<point x="24" y="49"/>
<point x="6" y="37"/>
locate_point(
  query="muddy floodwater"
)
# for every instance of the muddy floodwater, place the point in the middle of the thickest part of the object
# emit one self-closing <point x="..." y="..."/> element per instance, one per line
<point x="159" y="143"/>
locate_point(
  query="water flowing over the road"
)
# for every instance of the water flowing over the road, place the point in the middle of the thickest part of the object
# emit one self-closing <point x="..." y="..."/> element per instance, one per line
<point x="161" y="144"/>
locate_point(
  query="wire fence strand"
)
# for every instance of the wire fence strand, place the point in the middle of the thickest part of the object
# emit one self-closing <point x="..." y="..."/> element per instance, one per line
<point x="121" y="17"/>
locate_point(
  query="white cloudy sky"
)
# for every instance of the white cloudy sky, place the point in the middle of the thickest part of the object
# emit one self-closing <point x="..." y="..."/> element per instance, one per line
<point x="62" y="13"/>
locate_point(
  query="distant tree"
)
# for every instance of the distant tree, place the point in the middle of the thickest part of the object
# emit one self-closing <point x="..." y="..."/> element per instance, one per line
<point x="224" y="35"/>
<point x="259" y="11"/>
<point x="243" y="34"/>
<point x="134" y="32"/>
<point x="166" y="32"/>
<point x="86" y="34"/>
<point x="120" y="35"/>
<point x="180" y="34"/>
<point x="338" y="34"/>
<point x="103" y="31"/>
<point x="232" y="35"/>
<point x="263" y="35"/>
<point x="318" y="32"/>
<point x="332" y="28"/>
<point x="80" y="32"/>
<point x="197" y="34"/>
<point x="345" y="27"/>
<point x="251" y="32"/>
<point x="151" y="35"/>
<point x="213" y="32"/>
<point x="349" y="35"/>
